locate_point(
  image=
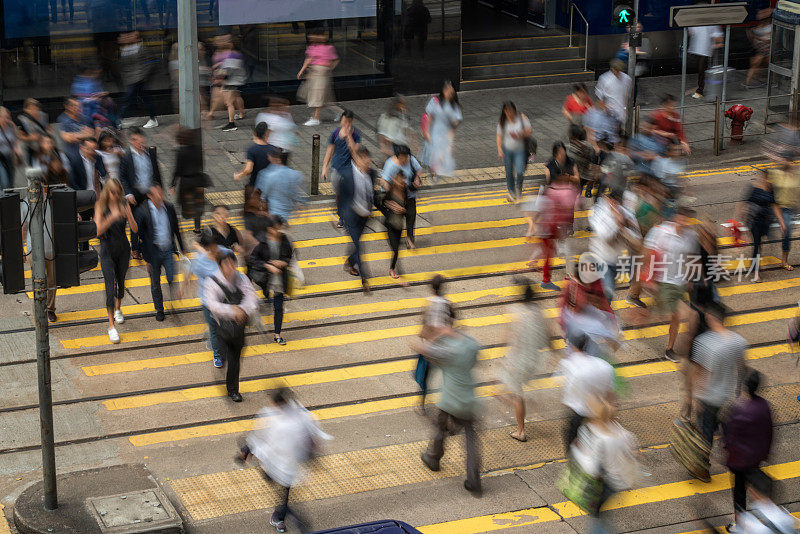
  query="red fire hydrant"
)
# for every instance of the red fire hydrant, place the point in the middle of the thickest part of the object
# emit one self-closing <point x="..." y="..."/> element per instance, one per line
<point x="738" y="115"/>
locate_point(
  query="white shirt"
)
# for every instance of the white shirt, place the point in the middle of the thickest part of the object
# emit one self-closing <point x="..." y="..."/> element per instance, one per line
<point x="362" y="192"/>
<point x="282" y="129"/>
<point x="514" y="128"/>
<point x="144" y="170"/>
<point x="89" y="167"/>
<point x="161" y="228"/>
<point x="607" y="243"/>
<point x="584" y="376"/>
<point x="111" y="163"/>
<point x="613" y="90"/>
<point x="675" y="254"/>
<point x="702" y="39"/>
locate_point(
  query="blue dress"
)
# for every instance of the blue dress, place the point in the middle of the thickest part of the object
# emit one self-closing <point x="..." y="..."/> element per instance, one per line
<point x="438" y="151"/>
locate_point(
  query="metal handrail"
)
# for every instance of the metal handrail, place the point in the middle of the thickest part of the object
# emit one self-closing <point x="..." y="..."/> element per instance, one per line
<point x="572" y="9"/>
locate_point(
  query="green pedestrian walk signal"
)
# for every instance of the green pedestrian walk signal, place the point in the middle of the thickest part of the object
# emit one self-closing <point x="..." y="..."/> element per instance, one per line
<point x="622" y="15"/>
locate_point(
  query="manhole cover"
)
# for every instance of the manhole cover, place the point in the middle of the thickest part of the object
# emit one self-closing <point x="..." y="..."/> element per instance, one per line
<point x="140" y="511"/>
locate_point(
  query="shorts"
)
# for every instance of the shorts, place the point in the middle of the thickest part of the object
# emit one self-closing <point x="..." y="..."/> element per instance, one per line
<point x="669" y="295"/>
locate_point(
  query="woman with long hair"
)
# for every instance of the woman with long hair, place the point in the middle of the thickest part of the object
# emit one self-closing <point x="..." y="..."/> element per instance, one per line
<point x="393" y="208"/>
<point x="443" y="114"/>
<point x="111" y="213"/>
<point x="513" y="129"/>
<point x="189" y="177"/>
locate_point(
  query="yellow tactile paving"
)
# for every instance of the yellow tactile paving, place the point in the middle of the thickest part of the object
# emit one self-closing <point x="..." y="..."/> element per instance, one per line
<point x="399" y="464"/>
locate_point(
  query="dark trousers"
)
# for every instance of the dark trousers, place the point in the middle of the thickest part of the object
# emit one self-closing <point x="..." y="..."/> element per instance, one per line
<point x="411" y="217"/>
<point x="708" y="420"/>
<point x="759" y="230"/>
<point x="114" y="265"/>
<point x="136" y="92"/>
<point x="739" y="489"/>
<point x="166" y="260"/>
<point x="444" y="421"/>
<point x="702" y="66"/>
<point x="393" y="235"/>
<point x="355" y="225"/>
<point x="277" y="312"/>
<point x="282" y="509"/>
<point x="231" y="351"/>
<point x="574" y="422"/>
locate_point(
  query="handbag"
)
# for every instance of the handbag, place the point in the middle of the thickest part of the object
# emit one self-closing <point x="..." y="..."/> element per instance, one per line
<point x="296" y="277"/>
<point x="580" y="487"/>
<point x="421" y="372"/>
<point x="691" y="449"/>
<point x="230" y="330"/>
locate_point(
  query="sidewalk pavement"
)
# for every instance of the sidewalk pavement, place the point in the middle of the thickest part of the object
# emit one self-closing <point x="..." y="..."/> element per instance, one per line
<point x="475" y="150"/>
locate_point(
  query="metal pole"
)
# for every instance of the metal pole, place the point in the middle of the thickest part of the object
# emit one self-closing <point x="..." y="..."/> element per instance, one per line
<point x="188" y="65"/>
<point x="36" y="226"/>
<point x="725" y="64"/>
<point x="632" y="74"/>
<point x="571" y="12"/>
<point x="683" y="70"/>
<point x="636" y="114"/>
<point x="717" y="129"/>
<point x="315" y="165"/>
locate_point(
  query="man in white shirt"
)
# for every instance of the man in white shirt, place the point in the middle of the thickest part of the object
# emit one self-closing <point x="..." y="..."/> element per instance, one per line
<point x="702" y="42"/>
<point x="673" y="249"/>
<point x="613" y="88"/>
<point x="93" y="169"/>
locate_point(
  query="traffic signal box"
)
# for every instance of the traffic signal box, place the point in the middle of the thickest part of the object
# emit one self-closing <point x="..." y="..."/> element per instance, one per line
<point x="622" y="14"/>
<point x="13" y="260"/>
<point x="66" y="206"/>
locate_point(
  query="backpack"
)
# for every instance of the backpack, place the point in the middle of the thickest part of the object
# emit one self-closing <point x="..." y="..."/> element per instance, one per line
<point x="228" y="329"/>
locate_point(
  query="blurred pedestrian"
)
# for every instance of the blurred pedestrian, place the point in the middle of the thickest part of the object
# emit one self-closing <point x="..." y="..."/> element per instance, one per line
<point x="616" y="166"/>
<point x="577" y="103"/>
<point x="719" y="358"/>
<point x="257" y="155"/>
<point x="613" y="88"/>
<point x="10" y="150"/>
<point x="646" y="147"/>
<point x="188" y="176"/>
<point x="72" y="129"/>
<point x="669" y="246"/>
<point x="418" y="17"/>
<point x="747" y="433"/>
<point x="317" y="88"/>
<point x="394" y="127"/>
<point x="785" y="181"/>
<point x="287" y="438"/>
<point x="159" y="232"/>
<point x="443" y="116"/>
<point x="404" y="163"/>
<point x="581" y="152"/>
<point x="601" y="126"/>
<point x="761" y="37"/>
<point x="280" y="186"/>
<point x="33" y="126"/>
<point x="614" y="230"/>
<point x="112" y="214"/>
<point x="703" y="41"/>
<point x="136" y="65"/>
<point x="393" y="208"/>
<point x="760" y="208"/>
<point x="438" y="312"/>
<point x="90" y="172"/>
<point x="138" y="172"/>
<point x="110" y="150"/>
<point x="357" y="212"/>
<point x="528" y="341"/>
<point x="338" y="160"/>
<point x="668" y="124"/>
<point x="231" y="300"/>
<point x="281" y="129"/>
<point x="223" y="233"/>
<point x="229" y="66"/>
<point x="513" y="130"/>
<point x="585" y="377"/>
<point x="205" y="264"/>
<point x="268" y="267"/>
<point x="764" y="517"/>
<point x="455" y="354"/>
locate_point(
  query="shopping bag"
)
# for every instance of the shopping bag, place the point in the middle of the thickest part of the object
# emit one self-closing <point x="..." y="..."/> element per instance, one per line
<point x="296" y="277"/>
<point x="421" y="372"/>
<point x="691" y="449"/>
<point x="580" y="487"/>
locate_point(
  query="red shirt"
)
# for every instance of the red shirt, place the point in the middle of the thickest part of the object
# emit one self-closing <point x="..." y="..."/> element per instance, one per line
<point x="575" y="106"/>
<point x="670" y="123"/>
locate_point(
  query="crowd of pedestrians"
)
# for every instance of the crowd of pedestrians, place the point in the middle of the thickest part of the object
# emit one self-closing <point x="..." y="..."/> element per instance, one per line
<point x="643" y="231"/>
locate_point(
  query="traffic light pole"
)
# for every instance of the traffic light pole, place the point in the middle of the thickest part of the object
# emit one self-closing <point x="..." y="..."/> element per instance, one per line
<point x="188" y="65"/>
<point x="632" y="70"/>
<point x="36" y="211"/>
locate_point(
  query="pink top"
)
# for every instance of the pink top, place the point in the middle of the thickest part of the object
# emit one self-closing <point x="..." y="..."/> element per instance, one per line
<point x="321" y="54"/>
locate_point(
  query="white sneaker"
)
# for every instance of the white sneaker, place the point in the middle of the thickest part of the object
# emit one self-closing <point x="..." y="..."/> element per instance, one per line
<point x="118" y="317"/>
<point x="113" y="335"/>
<point x="311" y="122"/>
<point x="152" y="123"/>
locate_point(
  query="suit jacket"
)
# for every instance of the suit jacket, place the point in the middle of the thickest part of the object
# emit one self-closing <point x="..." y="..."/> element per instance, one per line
<point x="147" y="238"/>
<point x="127" y="174"/>
<point x="79" y="180"/>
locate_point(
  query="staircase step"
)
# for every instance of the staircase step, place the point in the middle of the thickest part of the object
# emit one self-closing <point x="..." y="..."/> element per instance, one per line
<point x="515" y="43"/>
<point x="538" y="79"/>
<point x="516" y="56"/>
<point x="522" y="68"/>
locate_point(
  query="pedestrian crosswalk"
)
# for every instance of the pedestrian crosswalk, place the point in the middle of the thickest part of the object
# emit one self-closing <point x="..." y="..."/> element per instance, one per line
<point x="348" y="358"/>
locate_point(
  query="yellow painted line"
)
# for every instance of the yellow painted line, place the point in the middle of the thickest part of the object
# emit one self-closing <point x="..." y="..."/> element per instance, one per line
<point x="4" y="527"/>
<point x="383" y="306"/>
<point x="388" y="333"/>
<point x="372" y="407"/>
<point x="624" y="499"/>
